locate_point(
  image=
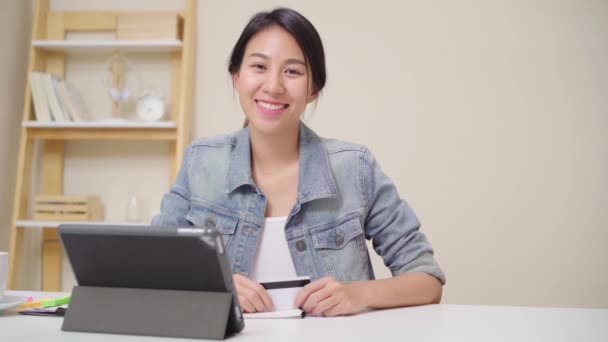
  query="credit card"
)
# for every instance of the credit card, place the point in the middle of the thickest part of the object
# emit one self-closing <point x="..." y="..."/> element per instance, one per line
<point x="283" y="292"/>
<point x="282" y="284"/>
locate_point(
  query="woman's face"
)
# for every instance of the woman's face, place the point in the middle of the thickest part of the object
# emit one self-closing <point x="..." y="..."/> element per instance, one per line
<point x="273" y="82"/>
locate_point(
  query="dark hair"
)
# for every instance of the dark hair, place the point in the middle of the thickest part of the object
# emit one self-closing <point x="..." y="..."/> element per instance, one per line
<point x="299" y="27"/>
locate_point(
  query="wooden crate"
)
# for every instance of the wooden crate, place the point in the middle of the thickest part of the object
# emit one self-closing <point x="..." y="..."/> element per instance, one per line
<point x="67" y="208"/>
<point x="155" y="25"/>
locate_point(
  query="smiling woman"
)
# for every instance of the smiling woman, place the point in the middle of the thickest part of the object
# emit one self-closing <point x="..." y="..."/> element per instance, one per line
<point x="290" y="203"/>
<point x="273" y="83"/>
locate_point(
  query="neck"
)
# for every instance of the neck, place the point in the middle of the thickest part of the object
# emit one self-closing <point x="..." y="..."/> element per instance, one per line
<point x="271" y="153"/>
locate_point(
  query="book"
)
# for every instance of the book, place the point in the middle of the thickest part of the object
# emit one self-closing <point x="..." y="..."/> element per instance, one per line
<point x="41" y="107"/>
<point x="55" y="99"/>
<point x="52" y="98"/>
<point x="294" y="313"/>
<point x="73" y="103"/>
<point x="66" y="114"/>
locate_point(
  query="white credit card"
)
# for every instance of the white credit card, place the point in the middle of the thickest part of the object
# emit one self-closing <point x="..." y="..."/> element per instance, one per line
<point x="284" y="291"/>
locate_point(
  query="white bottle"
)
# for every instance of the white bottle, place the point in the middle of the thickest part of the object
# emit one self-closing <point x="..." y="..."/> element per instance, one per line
<point x="133" y="209"/>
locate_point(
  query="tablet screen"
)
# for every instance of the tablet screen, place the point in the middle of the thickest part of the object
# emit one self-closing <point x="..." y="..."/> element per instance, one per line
<point x="145" y="257"/>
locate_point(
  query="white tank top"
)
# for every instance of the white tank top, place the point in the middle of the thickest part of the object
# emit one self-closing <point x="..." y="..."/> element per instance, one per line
<point x="273" y="260"/>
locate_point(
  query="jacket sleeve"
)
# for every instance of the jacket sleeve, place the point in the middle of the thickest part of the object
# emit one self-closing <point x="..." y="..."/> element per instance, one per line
<point x="393" y="226"/>
<point x="175" y="204"/>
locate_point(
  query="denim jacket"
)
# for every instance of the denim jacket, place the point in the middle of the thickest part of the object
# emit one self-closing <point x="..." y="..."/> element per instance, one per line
<point x="343" y="199"/>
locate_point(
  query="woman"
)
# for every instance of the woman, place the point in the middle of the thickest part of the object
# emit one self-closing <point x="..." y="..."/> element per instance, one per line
<point x="290" y="203"/>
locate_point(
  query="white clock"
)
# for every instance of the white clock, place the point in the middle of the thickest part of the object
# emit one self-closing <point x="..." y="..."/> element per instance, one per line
<point x="150" y="107"/>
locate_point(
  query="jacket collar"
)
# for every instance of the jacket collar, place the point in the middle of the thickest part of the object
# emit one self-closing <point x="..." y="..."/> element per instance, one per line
<point x="315" y="178"/>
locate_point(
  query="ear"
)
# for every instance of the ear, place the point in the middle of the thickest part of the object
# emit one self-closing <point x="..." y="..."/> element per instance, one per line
<point x="313" y="96"/>
<point x="235" y="79"/>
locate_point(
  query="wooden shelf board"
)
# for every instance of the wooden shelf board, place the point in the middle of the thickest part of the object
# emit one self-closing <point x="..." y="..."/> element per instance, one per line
<point x="99" y="131"/>
<point x="108" y="45"/>
<point x="99" y="124"/>
<point x="55" y="224"/>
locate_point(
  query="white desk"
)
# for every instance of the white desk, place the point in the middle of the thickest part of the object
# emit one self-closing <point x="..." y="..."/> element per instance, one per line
<point x="424" y="323"/>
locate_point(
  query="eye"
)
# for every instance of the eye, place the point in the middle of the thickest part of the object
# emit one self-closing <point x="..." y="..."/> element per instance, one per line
<point x="258" y="66"/>
<point x="293" y="72"/>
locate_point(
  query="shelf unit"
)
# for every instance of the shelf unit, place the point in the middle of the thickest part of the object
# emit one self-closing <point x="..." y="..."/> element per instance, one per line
<point x="47" y="53"/>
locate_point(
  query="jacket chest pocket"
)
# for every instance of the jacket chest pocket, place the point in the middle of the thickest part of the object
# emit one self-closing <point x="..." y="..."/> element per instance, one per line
<point x="203" y="217"/>
<point x="342" y="250"/>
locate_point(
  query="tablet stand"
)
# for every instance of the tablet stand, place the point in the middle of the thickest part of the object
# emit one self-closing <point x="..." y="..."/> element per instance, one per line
<point x="151" y="312"/>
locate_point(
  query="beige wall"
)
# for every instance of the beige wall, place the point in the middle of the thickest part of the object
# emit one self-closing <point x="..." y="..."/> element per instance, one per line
<point x="15" y="17"/>
<point x="489" y="115"/>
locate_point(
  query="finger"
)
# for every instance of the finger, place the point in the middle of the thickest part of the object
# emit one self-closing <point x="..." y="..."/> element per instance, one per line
<point x="260" y="292"/>
<point x="336" y="310"/>
<point x="308" y="289"/>
<point x="253" y="297"/>
<point x="325" y="305"/>
<point x="264" y="296"/>
<point x="244" y="302"/>
<point x="316" y="297"/>
<point x="246" y="305"/>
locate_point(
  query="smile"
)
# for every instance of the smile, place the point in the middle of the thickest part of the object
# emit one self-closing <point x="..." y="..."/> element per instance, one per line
<point x="270" y="110"/>
<point x="272" y="106"/>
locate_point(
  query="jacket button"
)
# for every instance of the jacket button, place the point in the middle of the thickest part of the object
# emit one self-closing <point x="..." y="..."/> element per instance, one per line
<point x="209" y="222"/>
<point x="301" y="245"/>
<point x="339" y="238"/>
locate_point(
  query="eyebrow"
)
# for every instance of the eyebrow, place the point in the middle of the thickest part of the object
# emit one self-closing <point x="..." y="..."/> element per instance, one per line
<point x="288" y="61"/>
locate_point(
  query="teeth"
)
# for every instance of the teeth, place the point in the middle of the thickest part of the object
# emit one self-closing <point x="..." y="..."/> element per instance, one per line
<point x="271" y="106"/>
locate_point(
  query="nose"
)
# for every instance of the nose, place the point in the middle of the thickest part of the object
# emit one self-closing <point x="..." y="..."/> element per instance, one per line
<point x="273" y="84"/>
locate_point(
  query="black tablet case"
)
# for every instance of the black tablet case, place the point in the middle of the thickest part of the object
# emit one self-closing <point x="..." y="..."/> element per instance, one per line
<point x="156" y="281"/>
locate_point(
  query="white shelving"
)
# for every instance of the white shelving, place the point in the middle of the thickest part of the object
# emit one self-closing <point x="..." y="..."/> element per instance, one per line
<point x="99" y="124"/>
<point x="108" y="45"/>
<point x="55" y="224"/>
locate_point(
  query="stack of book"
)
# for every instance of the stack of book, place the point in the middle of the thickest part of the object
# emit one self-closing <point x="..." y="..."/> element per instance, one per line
<point x="55" y="99"/>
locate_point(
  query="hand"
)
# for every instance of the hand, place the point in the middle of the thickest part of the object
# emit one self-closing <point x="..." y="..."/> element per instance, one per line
<point x="329" y="297"/>
<point x="253" y="297"/>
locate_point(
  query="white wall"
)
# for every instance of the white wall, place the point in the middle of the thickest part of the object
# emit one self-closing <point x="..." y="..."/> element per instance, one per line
<point x="489" y="115"/>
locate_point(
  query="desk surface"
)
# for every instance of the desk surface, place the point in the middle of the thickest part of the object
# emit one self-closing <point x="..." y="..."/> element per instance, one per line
<point x="424" y="323"/>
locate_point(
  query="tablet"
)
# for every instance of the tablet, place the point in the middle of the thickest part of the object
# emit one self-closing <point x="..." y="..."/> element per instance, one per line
<point x="146" y="257"/>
